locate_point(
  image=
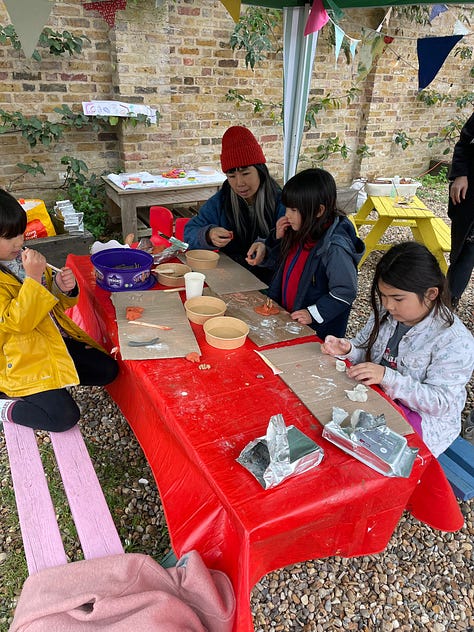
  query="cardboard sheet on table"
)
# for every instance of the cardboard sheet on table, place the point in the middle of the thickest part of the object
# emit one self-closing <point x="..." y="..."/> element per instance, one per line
<point x="160" y="309"/>
<point x="229" y="276"/>
<point x="312" y="376"/>
<point x="264" y="330"/>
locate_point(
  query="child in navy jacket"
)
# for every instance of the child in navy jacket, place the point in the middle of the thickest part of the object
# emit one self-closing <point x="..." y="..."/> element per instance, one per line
<point x="317" y="250"/>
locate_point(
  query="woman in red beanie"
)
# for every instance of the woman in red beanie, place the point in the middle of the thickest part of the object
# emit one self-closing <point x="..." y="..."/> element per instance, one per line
<point x="245" y="209"/>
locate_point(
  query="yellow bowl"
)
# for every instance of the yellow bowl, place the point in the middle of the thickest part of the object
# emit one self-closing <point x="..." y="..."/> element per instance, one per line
<point x="225" y="332"/>
<point x="171" y="274"/>
<point x="201" y="308"/>
<point x="202" y="259"/>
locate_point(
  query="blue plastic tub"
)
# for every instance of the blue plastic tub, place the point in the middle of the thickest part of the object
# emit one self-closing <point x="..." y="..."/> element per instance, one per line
<point x="123" y="269"/>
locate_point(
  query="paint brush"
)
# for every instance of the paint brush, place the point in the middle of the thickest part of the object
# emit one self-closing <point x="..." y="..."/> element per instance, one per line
<point x="139" y="322"/>
<point x="50" y="265"/>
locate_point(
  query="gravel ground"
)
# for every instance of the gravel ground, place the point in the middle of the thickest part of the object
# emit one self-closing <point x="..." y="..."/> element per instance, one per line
<point x="422" y="581"/>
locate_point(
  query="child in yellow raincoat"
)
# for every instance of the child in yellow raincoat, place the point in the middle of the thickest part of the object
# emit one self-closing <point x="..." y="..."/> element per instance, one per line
<point x="44" y="351"/>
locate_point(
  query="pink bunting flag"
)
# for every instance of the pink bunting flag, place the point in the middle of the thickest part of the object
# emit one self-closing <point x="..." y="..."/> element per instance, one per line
<point x="107" y="9"/>
<point x="317" y="18"/>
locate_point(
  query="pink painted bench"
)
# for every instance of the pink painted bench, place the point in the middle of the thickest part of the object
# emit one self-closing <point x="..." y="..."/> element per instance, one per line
<point x="39" y="528"/>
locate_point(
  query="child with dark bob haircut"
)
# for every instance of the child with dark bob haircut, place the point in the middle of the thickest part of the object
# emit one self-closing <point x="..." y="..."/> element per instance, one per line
<point x="44" y="351"/>
<point x="413" y="346"/>
<point x="316" y="251"/>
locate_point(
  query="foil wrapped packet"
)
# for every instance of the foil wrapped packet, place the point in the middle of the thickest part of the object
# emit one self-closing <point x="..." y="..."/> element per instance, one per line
<point x="283" y="452"/>
<point x="367" y="438"/>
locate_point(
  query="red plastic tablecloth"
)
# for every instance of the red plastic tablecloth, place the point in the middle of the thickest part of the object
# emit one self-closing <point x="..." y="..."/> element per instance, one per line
<point x="192" y="425"/>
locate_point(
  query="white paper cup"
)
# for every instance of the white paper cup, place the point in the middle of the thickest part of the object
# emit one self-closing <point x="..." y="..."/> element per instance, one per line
<point x="193" y="283"/>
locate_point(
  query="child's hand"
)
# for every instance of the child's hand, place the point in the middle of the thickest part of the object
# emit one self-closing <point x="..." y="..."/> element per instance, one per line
<point x="281" y="226"/>
<point x="336" y="346"/>
<point x="34" y="264"/>
<point x="367" y="372"/>
<point x="220" y="237"/>
<point x="65" y="280"/>
<point x="302" y="316"/>
<point x="256" y="253"/>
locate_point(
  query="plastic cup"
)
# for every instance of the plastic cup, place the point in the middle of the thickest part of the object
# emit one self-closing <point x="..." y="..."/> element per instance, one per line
<point x="194" y="284"/>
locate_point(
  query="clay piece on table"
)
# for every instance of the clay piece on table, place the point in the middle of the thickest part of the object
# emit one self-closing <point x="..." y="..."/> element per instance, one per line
<point x="133" y="312"/>
<point x="358" y="394"/>
<point x="340" y="366"/>
<point x="193" y="357"/>
<point x="267" y="309"/>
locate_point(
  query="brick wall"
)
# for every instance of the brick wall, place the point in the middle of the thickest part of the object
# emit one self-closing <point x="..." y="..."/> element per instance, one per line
<point x="177" y="58"/>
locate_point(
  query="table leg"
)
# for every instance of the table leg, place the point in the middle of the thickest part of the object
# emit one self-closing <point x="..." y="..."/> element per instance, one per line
<point x="128" y="211"/>
<point x="365" y="210"/>
<point x="372" y="240"/>
<point x="424" y="233"/>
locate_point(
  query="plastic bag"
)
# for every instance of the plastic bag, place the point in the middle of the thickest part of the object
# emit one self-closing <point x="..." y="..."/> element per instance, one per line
<point x="39" y="222"/>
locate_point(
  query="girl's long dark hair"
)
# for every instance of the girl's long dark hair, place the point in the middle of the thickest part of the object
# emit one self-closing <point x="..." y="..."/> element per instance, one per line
<point x="236" y="209"/>
<point x="12" y="216"/>
<point x="411" y="267"/>
<point x="308" y="191"/>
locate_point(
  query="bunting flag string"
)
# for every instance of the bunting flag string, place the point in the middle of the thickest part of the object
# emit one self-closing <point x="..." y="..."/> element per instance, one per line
<point x="107" y="9"/>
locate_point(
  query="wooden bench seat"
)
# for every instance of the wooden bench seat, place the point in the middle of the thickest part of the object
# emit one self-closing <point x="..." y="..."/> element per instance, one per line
<point x="39" y="528"/>
<point x="458" y="465"/>
<point x="442" y="233"/>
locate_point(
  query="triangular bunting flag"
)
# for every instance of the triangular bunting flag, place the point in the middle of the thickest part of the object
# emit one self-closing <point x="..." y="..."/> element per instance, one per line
<point x="432" y="52"/>
<point x="317" y="18"/>
<point x="233" y="7"/>
<point x="460" y="29"/>
<point x="29" y="18"/>
<point x="353" y="46"/>
<point x="107" y="9"/>
<point x="339" y="34"/>
<point x="373" y="44"/>
<point x="436" y="10"/>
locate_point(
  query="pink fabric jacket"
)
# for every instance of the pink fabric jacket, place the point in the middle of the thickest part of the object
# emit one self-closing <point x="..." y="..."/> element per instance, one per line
<point x="122" y="593"/>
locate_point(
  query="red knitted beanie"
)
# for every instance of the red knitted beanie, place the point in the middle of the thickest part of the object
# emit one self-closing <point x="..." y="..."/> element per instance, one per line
<point x="240" y="149"/>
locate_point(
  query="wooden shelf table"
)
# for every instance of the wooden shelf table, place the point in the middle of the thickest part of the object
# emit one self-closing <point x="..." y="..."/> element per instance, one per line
<point x="179" y="192"/>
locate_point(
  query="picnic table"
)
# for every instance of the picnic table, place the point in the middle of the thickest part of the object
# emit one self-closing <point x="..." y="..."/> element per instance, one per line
<point x="425" y="226"/>
<point x="192" y="425"/>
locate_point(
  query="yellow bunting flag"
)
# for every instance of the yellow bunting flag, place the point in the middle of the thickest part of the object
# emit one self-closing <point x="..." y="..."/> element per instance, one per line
<point x="233" y="7"/>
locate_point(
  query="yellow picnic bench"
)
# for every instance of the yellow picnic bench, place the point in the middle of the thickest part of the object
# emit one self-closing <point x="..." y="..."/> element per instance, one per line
<point x="426" y="228"/>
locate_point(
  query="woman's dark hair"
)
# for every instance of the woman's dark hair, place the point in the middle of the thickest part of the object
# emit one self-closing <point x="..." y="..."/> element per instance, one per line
<point x="250" y="226"/>
<point x="411" y="267"/>
<point x="308" y="191"/>
<point x="12" y="216"/>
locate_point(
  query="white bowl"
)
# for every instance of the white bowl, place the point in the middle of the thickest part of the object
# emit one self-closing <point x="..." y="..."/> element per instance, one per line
<point x="384" y="187"/>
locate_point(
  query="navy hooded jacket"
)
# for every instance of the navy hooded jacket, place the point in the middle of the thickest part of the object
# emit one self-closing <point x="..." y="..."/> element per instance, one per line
<point x="328" y="284"/>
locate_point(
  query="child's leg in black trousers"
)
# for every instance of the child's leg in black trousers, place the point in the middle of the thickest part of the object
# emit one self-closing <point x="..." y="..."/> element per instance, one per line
<point x="56" y="410"/>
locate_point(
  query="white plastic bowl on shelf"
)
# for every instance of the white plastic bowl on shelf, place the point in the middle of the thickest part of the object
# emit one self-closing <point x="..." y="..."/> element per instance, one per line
<point x="384" y="187"/>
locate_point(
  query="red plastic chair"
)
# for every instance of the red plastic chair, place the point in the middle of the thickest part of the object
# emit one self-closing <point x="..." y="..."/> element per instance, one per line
<point x="179" y="225"/>
<point x="161" y="220"/>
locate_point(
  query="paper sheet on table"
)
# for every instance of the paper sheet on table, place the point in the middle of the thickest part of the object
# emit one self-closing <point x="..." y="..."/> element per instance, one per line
<point x="229" y="276"/>
<point x="264" y="330"/>
<point x="145" y="180"/>
<point x="160" y="309"/>
<point x="312" y="376"/>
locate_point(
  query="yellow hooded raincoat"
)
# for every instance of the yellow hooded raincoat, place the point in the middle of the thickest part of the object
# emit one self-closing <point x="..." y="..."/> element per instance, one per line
<point x="34" y="356"/>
